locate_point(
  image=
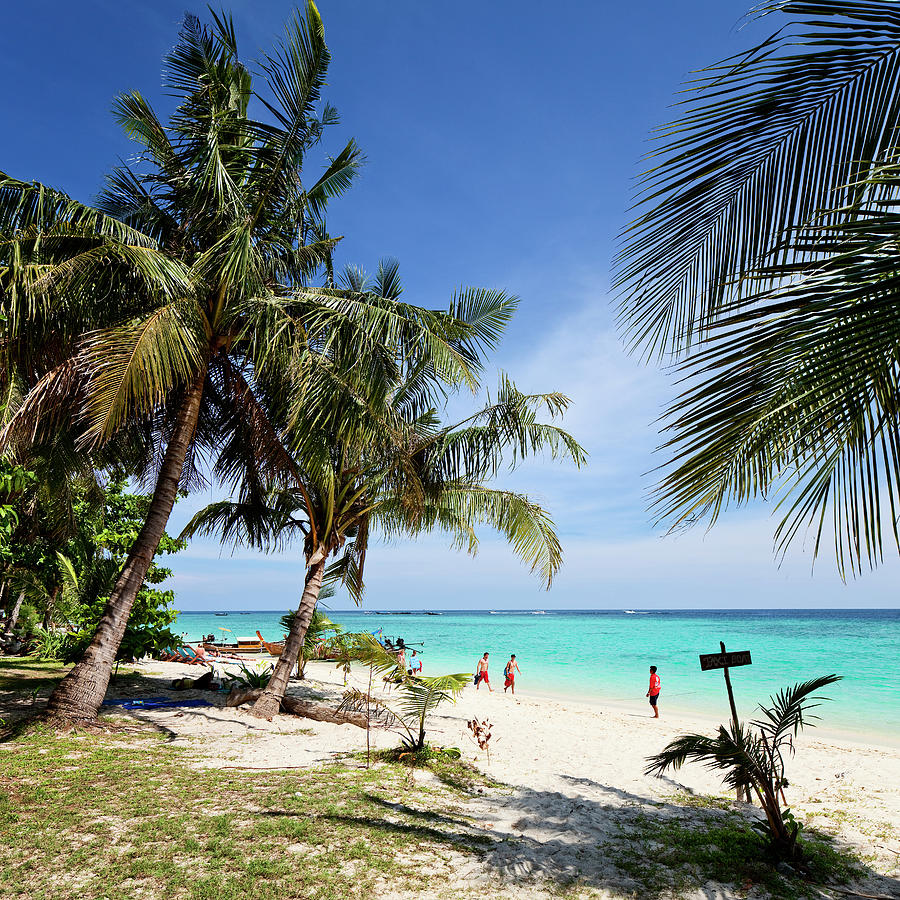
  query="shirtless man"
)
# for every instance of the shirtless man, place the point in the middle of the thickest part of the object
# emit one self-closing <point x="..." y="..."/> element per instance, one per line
<point x="510" y="673"/>
<point x="481" y="674"/>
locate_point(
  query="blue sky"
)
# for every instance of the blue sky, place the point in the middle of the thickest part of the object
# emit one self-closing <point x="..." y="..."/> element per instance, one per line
<point x="502" y="141"/>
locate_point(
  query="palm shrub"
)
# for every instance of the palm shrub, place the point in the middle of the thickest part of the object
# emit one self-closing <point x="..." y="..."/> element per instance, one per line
<point x="255" y="679"/>
<point x="753" y="757"/>
<point x="47" y="644"/>
<point x="417" y="696"/>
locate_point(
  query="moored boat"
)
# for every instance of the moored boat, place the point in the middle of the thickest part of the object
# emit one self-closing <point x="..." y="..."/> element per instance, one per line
<point x="275" y="648"/>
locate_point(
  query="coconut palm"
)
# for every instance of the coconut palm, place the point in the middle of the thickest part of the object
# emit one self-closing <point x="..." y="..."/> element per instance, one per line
<point x="208" y="247"/>
<point x="399" y="471"/>
<point x="764" y="255"/>
<point x="428" y="480"/>
<point x="753" y="758"/>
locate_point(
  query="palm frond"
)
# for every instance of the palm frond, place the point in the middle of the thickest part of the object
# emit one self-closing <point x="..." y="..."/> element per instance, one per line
<point x="131" y="369"/>
<point x="526" y="525"/>
<point x="790" y="708"/>
<point x="378" y="710"/>
<point x="768" y="141"/>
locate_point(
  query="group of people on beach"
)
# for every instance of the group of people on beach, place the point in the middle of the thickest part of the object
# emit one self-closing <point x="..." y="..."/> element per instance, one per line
<point x="413" y="665"/>
<point x="509" y="674"/>
<point x="512" y="668"/>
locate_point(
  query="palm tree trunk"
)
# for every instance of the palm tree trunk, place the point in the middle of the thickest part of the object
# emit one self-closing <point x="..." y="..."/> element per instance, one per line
<point x="269" y="701"/>
<point x="14" y="615"/>
<point x="51" y="608"/>
<point x="80" y="694"/>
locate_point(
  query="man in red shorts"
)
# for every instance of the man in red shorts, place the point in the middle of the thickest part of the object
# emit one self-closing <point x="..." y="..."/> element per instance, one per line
<point x="510" y="673"/>
<point x="481" y="674"/>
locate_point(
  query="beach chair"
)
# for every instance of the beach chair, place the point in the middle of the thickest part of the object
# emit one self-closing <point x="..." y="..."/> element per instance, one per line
<point x="190" y="656"/>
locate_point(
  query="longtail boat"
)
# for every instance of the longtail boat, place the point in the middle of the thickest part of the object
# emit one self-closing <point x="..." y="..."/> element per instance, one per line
<point x="274" y="649"/>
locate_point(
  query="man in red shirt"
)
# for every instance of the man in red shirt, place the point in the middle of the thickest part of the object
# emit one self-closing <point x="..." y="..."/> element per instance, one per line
<point x="653" y="692"/>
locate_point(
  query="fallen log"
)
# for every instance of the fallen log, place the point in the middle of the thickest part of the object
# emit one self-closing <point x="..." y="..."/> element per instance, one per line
<point x="304" y="708"/>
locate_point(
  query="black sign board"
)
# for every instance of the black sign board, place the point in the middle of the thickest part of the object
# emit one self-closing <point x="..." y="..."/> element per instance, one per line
<point x="721" y="660"/>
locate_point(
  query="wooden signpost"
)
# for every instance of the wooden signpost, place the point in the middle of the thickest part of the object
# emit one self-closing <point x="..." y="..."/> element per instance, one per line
<point x="725" y="661"/>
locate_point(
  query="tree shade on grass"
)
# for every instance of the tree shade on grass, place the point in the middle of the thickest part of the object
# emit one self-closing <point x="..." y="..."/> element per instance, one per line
<point x="764" y="259"/>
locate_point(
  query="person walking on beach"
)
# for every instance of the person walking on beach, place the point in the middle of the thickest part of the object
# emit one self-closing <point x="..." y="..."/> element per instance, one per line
<point x="653" y="692"/>
<point x="481" y="674"/>
<point x="415" y="663"/>
<point x="510" y="674"/>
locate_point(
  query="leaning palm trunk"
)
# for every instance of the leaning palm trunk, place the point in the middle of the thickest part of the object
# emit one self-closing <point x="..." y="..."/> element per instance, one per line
<point x="80" y="694"/>
<point x="14" y="614"/>
<point x="270" y="701"/>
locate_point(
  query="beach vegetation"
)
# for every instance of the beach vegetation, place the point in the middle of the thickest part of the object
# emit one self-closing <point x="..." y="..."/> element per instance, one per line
<point x="245" y="677"/>
<point x="723" y="847"/>
<point x="84" y="813"/>
<point x="417" y="695"/>
<point x="763" y="263"/>
<point x="64" y="559"/>
<point x="752" y="759"/>
<point x="178" y="303"/>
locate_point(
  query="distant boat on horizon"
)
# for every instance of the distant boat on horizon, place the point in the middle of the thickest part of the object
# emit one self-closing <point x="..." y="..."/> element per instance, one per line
<point x="221" y="614"/>
<point x="539" y="612"/>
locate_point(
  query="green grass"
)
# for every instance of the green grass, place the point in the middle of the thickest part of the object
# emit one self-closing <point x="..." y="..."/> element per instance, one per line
<point x="453" y="772"/>
<point x="671" y="856"/>
<point x="84" y="812"/>
<point x="24" y="674"/>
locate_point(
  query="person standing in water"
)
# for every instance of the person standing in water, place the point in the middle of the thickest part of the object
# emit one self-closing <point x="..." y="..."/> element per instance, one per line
<point x="481" y="674"/>
<point x="653" y="691"/>
<point x="510" y="674"/>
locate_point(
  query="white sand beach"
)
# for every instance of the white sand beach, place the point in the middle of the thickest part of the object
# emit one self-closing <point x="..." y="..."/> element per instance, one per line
<point x="574" y="771"/>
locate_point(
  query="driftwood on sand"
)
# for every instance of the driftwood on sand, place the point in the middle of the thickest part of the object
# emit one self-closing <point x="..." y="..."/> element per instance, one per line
<point x="318" y="711"/>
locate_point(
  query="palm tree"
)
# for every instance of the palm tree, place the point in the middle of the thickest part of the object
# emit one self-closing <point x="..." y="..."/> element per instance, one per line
<point x="428" y="482"/>
<point x="185" y="295"/>
<point x="764" y="258"/>
<point x="401" y="472"/>
<point x="752" y="758"/>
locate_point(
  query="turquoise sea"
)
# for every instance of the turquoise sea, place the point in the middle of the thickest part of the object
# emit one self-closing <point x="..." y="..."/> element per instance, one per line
<point x="604" y="655"/>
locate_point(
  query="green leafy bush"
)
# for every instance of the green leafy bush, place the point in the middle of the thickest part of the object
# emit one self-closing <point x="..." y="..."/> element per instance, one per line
<point x="257" y="677"/>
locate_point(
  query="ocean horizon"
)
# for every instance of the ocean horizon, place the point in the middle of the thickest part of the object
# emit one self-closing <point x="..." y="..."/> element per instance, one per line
<point x="603" y="655"/>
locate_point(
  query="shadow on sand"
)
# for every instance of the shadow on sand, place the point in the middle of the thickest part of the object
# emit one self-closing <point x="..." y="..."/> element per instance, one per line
<point x="623" y="844"/>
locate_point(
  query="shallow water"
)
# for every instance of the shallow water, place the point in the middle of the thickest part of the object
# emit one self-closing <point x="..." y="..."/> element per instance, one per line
<point x="605" y="654"/>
